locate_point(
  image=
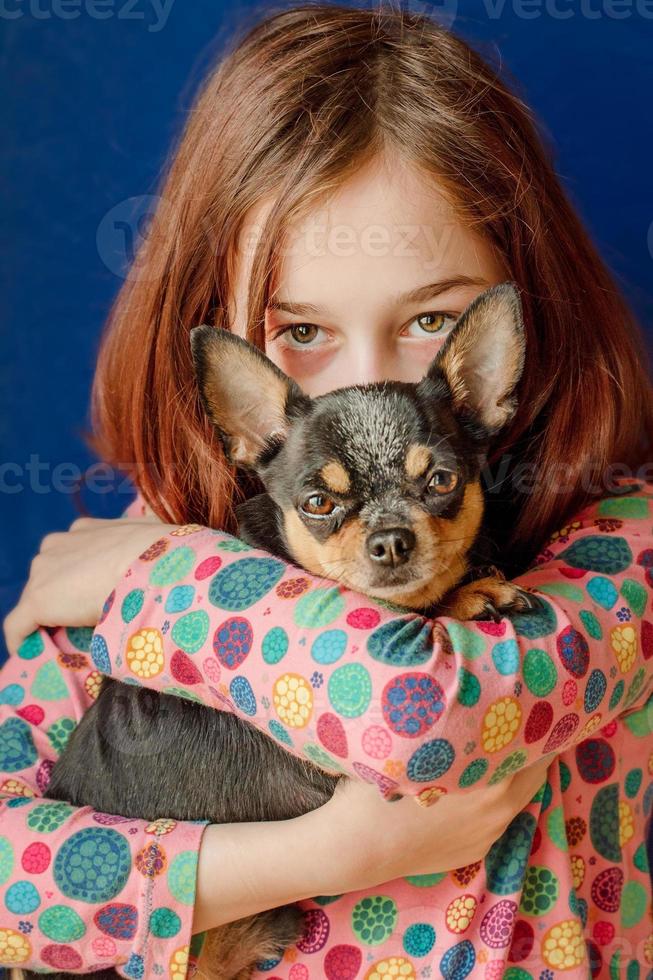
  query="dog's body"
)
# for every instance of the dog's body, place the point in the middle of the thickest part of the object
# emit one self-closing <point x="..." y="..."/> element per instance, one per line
<point x="375" y="486"/>
<point x="144" y="754"/>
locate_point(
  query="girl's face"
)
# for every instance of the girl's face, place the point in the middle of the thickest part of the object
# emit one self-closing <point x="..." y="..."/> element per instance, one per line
<point x="370" y="285"/>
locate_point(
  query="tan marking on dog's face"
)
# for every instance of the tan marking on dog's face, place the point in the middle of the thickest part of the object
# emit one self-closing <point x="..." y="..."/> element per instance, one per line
<point x="342" y="556"/>
<point x="335" y="476"/>
<point x="443" y="540"/>
<point x="418" y="459"/>
<point x="343" y="549"/>
<point x="466" y="523"/>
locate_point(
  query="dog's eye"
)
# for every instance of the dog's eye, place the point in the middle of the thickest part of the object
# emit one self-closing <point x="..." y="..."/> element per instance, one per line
<point x="442" y="481"/>
<point x="318" y="504"/>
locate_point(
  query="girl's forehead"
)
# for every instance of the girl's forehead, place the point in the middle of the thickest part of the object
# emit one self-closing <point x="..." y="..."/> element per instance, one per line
<point x="377" y="203"/>
<point x="384" y="231"/>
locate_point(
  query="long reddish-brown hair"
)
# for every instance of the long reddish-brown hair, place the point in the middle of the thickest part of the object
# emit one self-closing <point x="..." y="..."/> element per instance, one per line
<point x="294" y="106"/>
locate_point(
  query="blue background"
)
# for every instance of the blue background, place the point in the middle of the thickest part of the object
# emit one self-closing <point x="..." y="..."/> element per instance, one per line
<point x="91" y="108"/>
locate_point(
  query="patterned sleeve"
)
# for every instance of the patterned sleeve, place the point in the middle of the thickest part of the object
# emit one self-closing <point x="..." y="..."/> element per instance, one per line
<point x="415" y="705"/>
<point x="80" y="890"/>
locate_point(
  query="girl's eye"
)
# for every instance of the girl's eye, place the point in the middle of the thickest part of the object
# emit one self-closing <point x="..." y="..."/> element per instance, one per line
<point x="318" y="505"/>
<point x="442" y="481"/>
<point x="302" y="333"/>
<point x="432" y="324"/>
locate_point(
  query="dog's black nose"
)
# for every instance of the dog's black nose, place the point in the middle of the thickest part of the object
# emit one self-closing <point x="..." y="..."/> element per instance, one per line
<point x="392" y="546"/>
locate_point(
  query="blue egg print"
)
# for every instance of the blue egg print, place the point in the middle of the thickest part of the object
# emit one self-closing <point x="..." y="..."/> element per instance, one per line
<point x="401" y="643"/>
<point x="505" y="863"/>
<point x="232" y="641"/>
<point x="329" y="646"/>
<point x="412" y="703"/>
<point x="134" y="967"/>
<point x="602" y="591"/>
<point x="573" y="651"/>
<point x="536" y="624"/>
<point x="599" y="553"/>
<point x="32" y="646"/>
<point x="93" y="864"/>
<point x="419" y="939"/>
<point x="458" y="962"/>
<point x="17" y="749"/>
<point x="647" y="800"/>
<point x="243" y="695"/>
<point x="132" y="604"/>
<point x="430" y="761"/>
<point x="80" y="636"/>
<point x="118" y="920"/>
<point x="100" y="654"/>
<point x="244" y="582"/>
<point x="279" y="731"/>
<point x="12" y="694"/>
<point x="505" y="657"/>
<point x="180" y="598"/>
<point x="595" y="690"/>
<point x="267" y="964"/>
<point x="22" y="898"/>
<point x="275" y="645"/>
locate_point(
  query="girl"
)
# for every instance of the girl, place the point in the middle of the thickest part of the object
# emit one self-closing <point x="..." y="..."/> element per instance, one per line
<point x="348" y="181"/>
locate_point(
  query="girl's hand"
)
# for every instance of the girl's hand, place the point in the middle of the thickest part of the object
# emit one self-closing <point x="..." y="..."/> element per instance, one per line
<point x="378" y="841"/>
<point x="75" y="570"/>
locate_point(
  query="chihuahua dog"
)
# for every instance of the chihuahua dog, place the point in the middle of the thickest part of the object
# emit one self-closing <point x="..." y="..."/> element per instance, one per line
<point x="375" y="486"/>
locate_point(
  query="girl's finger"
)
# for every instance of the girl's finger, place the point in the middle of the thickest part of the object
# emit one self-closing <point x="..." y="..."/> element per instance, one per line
<point x="90" y="523"/>
<point x="17" y="624"/>
<point x="97" y="523"/>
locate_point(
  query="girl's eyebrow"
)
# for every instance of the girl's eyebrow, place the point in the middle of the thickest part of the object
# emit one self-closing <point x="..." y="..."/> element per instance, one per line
<point x="435" y="288"/>
<point x="418" y="295"/>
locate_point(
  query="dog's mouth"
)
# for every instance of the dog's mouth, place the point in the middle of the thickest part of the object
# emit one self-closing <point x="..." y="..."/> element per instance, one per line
<point x="396" y="588"/>
<point x="396" y="581"/>
<point x="419" y="581"/>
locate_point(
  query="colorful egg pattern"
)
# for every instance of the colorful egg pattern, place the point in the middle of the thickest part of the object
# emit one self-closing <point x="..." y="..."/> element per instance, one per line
<point x="412" y="706"/>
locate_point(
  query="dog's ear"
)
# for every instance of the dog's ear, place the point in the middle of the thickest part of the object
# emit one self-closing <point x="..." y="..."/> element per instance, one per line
<point x="244" y="394"/>
<point x="483" y="357"/>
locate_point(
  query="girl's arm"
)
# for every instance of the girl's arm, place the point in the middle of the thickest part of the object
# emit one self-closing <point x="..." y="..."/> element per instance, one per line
<point x="139" y="921"/>
<point x="414" y="705"/>
<point x="121" y="914"/>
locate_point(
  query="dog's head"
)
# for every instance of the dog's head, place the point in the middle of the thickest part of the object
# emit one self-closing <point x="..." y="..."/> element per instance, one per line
<point x="376" y="486"/>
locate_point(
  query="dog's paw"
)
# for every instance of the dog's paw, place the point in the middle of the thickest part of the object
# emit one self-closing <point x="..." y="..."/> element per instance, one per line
<point x="490" y="598"/>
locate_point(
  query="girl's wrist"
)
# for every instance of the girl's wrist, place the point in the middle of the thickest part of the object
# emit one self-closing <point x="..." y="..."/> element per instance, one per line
<point x="139" y="534"/>
<point x="246" y="868"/>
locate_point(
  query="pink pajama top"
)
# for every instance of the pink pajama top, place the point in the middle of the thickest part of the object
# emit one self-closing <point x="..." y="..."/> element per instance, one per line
<point x="414" y="705"/>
